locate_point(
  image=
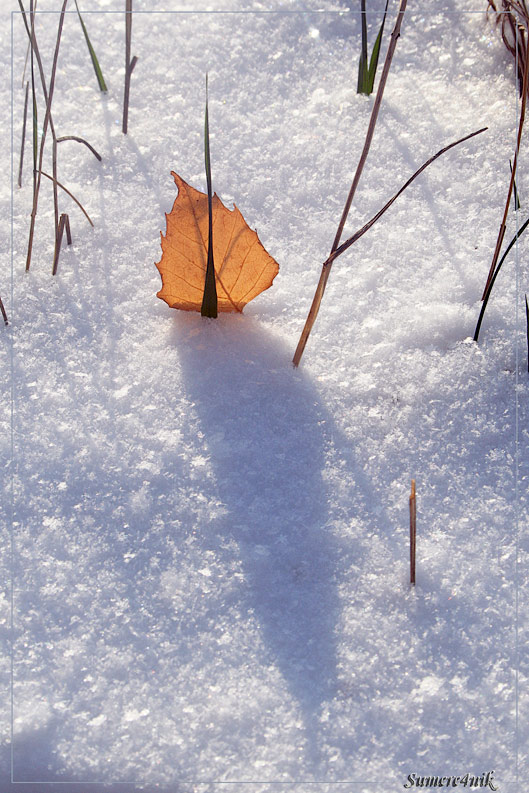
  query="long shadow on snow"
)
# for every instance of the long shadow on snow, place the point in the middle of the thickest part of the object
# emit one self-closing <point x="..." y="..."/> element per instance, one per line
<point x="265" y="431"/>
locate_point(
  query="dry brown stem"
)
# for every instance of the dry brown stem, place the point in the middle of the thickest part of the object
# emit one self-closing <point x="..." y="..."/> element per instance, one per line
<point x="324" y="276"/>
<point x="413" y="530"/>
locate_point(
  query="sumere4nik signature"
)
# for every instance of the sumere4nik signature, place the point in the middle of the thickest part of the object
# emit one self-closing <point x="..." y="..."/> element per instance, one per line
<point x="467" y="780"/>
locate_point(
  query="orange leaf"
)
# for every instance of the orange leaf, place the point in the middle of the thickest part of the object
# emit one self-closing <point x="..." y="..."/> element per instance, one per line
<point x="243" y="269"/>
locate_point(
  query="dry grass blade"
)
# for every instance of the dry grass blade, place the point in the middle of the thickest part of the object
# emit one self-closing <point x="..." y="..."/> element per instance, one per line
<point x="372" y="122"/>
<point x="495" y="274"/>
<point x="347" y="244"/>
<point x="514" y="34"/>
<point x="413" y="530"/>
<point x="58" y="184"/>
<point x="80" y="140"/>
<point x="326" y="268"/>
<point x="48" y="96"/>
<point x="21" y="165"/>
<point x="517" y="203"/>
<point x="320" y="289"/>
<point x="64" y="225"/>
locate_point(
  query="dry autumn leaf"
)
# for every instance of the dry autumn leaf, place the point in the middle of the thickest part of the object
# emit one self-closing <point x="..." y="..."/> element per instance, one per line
<point x="243" y="269"/>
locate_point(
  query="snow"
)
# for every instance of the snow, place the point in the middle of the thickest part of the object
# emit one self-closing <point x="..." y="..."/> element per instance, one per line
<point x="210" y="547"/>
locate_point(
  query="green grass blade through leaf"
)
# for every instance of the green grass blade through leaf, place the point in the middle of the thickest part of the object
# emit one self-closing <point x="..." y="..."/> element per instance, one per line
<point x="209" y="300"/>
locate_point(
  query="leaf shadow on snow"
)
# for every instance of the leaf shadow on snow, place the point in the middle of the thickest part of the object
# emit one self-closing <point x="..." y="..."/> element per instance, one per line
<point x="40" y="774"/>
<point x="134" y="487"/>
<point x="265" y="435"/>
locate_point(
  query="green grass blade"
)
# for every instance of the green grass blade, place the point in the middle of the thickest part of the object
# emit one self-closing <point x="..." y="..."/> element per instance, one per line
<point x="95" y="62"/>
<point x="361" y="86"/>
<point x="209" y="300"/>
<point x="373" y="63"/>
<point x="362" y="64"/>
<point x="496" y="271"/>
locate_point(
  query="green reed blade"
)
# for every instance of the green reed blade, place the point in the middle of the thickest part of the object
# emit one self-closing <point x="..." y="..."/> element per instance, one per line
<point x="95" y="62"/>
<point x="373" y="63"/>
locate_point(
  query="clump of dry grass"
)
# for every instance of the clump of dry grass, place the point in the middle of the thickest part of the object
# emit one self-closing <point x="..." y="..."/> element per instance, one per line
<point x="61" y="222"/>
<point x="512" y="18"/>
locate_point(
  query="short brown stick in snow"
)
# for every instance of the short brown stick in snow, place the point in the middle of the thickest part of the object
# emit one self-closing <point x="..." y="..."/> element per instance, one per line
<point x="64" y="226"/>
<point x="413" y="530"/>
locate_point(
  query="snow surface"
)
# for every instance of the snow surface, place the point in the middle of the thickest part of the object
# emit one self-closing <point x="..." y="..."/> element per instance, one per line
<point x="210" y="548"/>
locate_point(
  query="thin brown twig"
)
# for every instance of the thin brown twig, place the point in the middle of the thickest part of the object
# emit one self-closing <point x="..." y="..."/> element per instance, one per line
<point x="413" y="531"/>
<point x="55" y="191"/>
<point x="35" y="135"/>
<point x="67" y="230"/>
<point x="324" y="276"/>
<point x="356" y="236"/>
<point x="64" y="225"/>
<point x="58" y="240"/>
<point x="80" y="140"/>
<point x="372" y="122"/>
<point x="81" y="207"/>
<point x="22" y="145"/>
